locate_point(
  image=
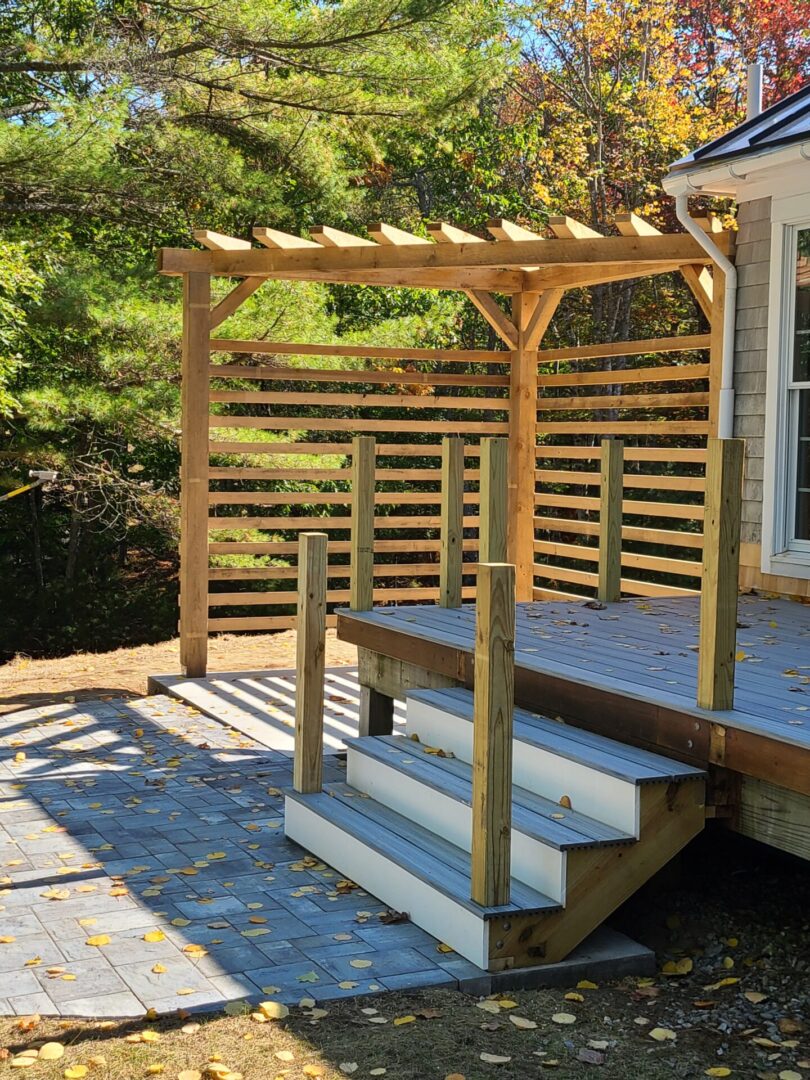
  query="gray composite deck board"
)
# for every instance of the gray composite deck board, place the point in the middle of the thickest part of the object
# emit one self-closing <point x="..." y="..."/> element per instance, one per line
<point x="595" y="751"/>
<point x="420" y="852"/>
<point x="531" y="814"/>
<point x="618" y="648"/>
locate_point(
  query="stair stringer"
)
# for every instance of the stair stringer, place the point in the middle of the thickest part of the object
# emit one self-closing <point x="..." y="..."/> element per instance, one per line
<point x="601" y="879"/>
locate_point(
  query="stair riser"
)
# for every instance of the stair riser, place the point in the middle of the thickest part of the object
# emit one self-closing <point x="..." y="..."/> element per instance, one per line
<point x="395" y="886"/>
<point x="535" y="864"/>
<point x="606" y="798"/>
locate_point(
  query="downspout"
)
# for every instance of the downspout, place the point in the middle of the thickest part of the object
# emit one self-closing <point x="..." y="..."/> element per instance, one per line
<point x="725" y="415"/>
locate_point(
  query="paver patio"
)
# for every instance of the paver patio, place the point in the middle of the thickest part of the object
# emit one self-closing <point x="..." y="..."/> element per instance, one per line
<point x="153" y="826"/>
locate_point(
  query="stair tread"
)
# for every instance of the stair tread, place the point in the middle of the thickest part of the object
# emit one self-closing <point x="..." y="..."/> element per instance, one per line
<point x="531" y="813"/>
<point x="421" y="852"/>
<point x="613" y="758"/>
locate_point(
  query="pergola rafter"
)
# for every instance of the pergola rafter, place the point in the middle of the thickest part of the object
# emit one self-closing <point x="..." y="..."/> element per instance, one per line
<point x="532" y="270"/>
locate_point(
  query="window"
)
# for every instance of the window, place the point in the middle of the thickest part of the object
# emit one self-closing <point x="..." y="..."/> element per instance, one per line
<point x="798" y="531"/>
<point x="786" y="478"/>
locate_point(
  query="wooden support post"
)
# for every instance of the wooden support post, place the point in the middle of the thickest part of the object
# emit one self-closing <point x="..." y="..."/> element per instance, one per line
<point x="720" y="576"/>
<point x="452" y="522"/>
<point x="310" y="648"/>
<point x="194" y="475"/>
<point x="494" y="486"/>
<point x="610" y="520"/>
<point x="364" y="461"/>
<point x="494" y="694"/>
<point x="522" y="443"/>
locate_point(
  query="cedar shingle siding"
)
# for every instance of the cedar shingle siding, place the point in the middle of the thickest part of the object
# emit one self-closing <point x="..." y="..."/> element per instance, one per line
<point x="753" y="268"/>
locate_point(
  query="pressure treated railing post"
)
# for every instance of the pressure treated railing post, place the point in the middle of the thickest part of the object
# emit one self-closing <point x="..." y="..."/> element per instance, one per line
<point x="720" y="574"/>
<point x="611" y="492"/>
<point x="452" y="523"/>
<point x="494" y="694"/>
<point x="310" y="662"/>
<point x="364" y="460"/>
<point x="194" y="475"/>
<point x="493" y="489"/>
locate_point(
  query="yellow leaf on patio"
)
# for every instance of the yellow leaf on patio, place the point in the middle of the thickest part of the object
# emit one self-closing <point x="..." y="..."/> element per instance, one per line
<point x="154" y="935"/>
<point x="98" y="940"/>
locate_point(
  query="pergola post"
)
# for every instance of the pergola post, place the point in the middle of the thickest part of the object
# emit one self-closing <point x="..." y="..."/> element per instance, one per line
<point x="522" y="442"/>
<point x="194" y="475"/>
<point x="611" y="492"/>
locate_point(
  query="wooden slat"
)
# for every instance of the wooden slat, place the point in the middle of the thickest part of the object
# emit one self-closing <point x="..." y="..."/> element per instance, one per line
<point x="310" y="652"/>
<point x="668" y="373"/>
<point x="383" y="475"/>
<point x="646" y="481"/>
<point x="619" y="401"/>
<point x="363" y="401"/>
<point x="329" y="423"/>
<point x="493" y="708"/>
<point x="284" y="524"/>
<point x="696" y="277"/>
<point x="324" y="449"/>
<point x="634" y="559"/>
<point x="720" y="574"/>
<point x="628" y="585"/>
<point x="626" y="427"/>
<point x="362" y="523"/>
<point x="675" y="454"/>
<point x="502" y="229"/>
<point x="610" y="521"/>
<point x="328" y="498"/>
<point x="333" y="596"/>
<point x="333" y="570"/>
<point x="452" y="522"/>
<point x="194" y="475"/>
<point x="339" y="375"/>
<point x="257" y="623"/>
<point x="642" y="347"/>
<point x="363" y="352"/>
<point x="493" y="510"/>
<point x="669" y="537"/>
<point x="280" y="548"/>
<point x="629" y="506"/>
<point x="443" y="233"/>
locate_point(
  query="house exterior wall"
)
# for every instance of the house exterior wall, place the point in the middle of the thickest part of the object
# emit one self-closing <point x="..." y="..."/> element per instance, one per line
<point x="750" y="354"/>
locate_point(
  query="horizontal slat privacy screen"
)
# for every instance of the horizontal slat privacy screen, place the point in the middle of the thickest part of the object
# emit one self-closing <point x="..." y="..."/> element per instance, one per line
<point x="277" y="469"/>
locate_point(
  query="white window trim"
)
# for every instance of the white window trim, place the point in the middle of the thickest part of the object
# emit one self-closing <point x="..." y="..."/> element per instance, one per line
<point x="777" y="558"/>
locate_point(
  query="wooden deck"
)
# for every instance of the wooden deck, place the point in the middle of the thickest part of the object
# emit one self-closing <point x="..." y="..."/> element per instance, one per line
<point x="628" y="670"/>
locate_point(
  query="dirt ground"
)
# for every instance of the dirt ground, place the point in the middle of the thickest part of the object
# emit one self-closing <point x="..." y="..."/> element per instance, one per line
<point x="733" y="922"/>
<point x="25" y="683"/>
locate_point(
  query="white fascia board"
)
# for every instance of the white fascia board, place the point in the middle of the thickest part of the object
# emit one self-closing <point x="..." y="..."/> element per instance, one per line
<point x="739" y="176"/>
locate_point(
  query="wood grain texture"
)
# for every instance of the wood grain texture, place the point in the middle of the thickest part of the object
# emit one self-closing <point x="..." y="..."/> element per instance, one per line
<point x="194" y="476"/>
<point x="610" y="520"/>
<point x="362" y="523"/>
<point x="720" y="574"/>
<point x="310" y="663"/>
<point x="452" y="522"/>
<point x="494" y="490"/>
<point x="522" y="440"/>
<point x="492" y="735"/>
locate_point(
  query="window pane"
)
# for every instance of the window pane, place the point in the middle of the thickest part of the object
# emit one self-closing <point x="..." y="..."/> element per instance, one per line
<point x="801" y="341"/>
<point x="802" y="531"/>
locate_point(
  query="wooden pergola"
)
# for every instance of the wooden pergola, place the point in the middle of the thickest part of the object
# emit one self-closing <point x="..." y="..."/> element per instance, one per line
<point x="533" y="271"/>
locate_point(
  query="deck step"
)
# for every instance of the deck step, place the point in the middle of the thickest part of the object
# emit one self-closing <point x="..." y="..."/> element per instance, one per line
<point x="406" y="866"/>
<point x="600" y="777"/>
<point x="436" y="792"/>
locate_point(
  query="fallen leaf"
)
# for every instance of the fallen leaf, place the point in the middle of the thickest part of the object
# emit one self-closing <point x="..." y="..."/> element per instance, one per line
<point x="274" y="1010"/>
<point x="400" y="1020"/>
<point x="360" y="963"/>
<point x="522" y="1023"/>
<point x="495" y="1059"/>
<point x="51" y="1051"/>
<point x="154" y="935"/>
<point x="678" y="967"/>
<point x="564" y="1018"/>
<point x="755" y="996"/>
<point x="662" y="1034"/>
<point x="75" y="1072"/>
<point x="718" y="1070"/>
<point x="98" y="941"/>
